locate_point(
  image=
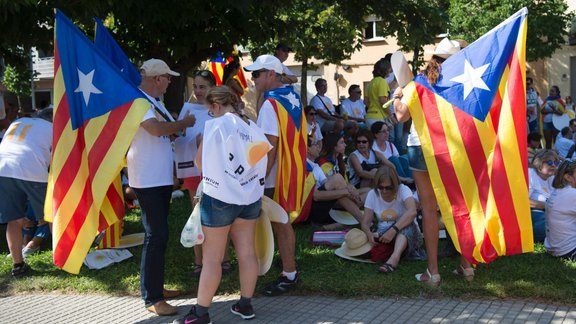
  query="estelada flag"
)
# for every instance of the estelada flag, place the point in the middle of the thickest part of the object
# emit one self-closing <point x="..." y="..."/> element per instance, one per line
<point x="292" y="147"/>
<point x="472" y="127"/>
<point x="97" y="113"/>
<point x="216" y="66"/>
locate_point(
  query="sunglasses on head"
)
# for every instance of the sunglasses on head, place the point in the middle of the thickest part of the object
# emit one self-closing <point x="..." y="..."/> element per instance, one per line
<point x="256" y="74"/>
<point x="555" y="163"/>
<point x="362" y="142"/>
<point x="388" y="188"/>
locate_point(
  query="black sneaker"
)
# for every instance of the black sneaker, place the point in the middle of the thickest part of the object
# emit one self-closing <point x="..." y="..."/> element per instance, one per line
<point x="192" y="318"/>
<point x="20" y="270"/>
<point x="246" y="313"/>
<point x="280" y="286"/>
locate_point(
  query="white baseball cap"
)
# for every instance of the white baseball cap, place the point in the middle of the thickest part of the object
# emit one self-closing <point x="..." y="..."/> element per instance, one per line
<point x="266" y="62"/>
<point x="154" y="67"/>
<point x="446" y="48"/>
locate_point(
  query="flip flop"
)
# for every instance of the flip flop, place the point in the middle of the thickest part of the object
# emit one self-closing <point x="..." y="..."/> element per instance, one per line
<point x="387" y="268"/>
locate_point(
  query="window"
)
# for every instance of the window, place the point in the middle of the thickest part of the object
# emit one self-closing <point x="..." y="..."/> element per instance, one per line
<point x="373" y="29"/>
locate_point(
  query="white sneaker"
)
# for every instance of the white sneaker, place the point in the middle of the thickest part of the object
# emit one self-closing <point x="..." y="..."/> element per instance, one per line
<point x="26" y="251"/>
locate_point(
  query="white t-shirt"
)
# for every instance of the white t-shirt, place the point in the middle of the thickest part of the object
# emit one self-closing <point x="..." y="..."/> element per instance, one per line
<point x="531" y="105"/>
<point x="561" y="222"/>
<point x="25" y="150"/>
<point x="317" y="173"/>
<point x="354" y="180"/>
<point x="186" y="146"/>
<point x="150" y="158"/>
<point x="355" y="109"/>
<point x="389" y="149"/>
<point x="386" y="212"/>
<point x="234" y="160"/>
<point x="563" y="145"/>
<point x="538" y="188"/>
<point x="325" y="104"/>
<point x="268" y="122"/>
<point x="287" y="71"/>
<point x="318" y="133"/>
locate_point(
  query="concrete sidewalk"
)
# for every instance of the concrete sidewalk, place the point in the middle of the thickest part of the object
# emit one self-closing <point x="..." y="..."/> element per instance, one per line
<point x="286" y="309"/>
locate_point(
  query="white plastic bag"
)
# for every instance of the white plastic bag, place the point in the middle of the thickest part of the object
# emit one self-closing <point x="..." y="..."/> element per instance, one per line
<point x="192" y="233"/>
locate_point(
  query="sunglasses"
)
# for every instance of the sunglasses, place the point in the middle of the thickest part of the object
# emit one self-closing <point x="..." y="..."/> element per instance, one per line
<point x="555" y="163"/>
<point x="256" y="74"/>
<point x="312" y="114"/>
<point x="388" y="188"/>
<point x="362" y="142"/>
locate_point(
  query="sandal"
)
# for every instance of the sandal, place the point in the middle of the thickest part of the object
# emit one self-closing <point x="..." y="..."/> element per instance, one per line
<point x="467" y="273"/>
<point x="428" y="278"/>
<point x="196" y="271"/>
<point x="227" y="267"/>
<point x="387" y="268"/>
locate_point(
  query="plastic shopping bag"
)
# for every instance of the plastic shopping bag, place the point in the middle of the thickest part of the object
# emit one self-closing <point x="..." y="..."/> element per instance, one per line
<point x="192" y="233"/>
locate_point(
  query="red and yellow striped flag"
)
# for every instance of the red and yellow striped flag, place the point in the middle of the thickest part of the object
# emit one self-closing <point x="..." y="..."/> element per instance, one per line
<point x="97" y="113"/>
<point x="292" y="147"/>
<point x="472" y="127"/>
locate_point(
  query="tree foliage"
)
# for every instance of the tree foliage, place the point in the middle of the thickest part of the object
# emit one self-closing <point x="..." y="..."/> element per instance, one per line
<point x="547" y="22"/>
<point x="313" y="29"/>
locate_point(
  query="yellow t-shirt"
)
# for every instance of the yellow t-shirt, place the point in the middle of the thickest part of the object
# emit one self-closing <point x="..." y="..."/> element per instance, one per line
<point x="378" y="87"/>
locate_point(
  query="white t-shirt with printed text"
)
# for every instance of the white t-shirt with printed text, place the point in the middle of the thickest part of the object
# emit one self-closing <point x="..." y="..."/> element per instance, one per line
<point x="25" y="150"/>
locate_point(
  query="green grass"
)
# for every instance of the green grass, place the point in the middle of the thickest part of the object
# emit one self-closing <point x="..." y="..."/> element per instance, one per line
<point x="537" y="276"/>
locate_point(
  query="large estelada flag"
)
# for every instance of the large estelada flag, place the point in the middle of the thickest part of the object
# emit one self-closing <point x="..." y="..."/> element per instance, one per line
<point x="97" y="113"/>
<point x="292" y="147"/>
<point x="472" y="127"/>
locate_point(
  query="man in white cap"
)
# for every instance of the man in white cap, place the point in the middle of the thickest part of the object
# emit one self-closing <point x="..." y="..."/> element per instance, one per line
<point x="283" y="121"/>
<point x="150" y="174"/>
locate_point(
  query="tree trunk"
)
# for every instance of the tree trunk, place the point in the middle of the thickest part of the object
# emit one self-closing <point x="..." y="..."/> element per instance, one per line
<point x="304" y="82"/>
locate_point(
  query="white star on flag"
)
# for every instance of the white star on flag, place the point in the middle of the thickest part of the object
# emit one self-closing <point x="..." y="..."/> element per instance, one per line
<point x="86" y="86"/>
<point x="293" y="100"/>
<point x="472" y="78"/>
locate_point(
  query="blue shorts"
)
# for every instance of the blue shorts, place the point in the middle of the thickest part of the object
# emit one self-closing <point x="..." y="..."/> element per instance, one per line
<point x="216" y="213"/>
<point x="15" y="193"/>
<point x="416" y="158"/>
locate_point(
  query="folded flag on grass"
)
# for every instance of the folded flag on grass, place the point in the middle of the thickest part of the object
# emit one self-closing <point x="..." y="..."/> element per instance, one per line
<point x="97" y="113"/>
<point x="472" y="127"/>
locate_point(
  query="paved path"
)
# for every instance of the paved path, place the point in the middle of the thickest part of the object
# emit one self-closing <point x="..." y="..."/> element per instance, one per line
<point x="285" y="309"/>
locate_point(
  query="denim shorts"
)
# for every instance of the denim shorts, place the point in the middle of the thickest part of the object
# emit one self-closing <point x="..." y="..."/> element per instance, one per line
<point x="416" y="158"/>
<point x="216" y="213"/>
<point x="15" y="193"/>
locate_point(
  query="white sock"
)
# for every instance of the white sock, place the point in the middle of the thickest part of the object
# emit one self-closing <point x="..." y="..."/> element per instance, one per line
<point x="289" y="275"/>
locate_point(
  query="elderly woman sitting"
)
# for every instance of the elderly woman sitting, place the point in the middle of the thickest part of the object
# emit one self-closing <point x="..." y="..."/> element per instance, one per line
<point x="394" y="207"/>
<point x="561" y="213"/>
<point x="540" y="177"/>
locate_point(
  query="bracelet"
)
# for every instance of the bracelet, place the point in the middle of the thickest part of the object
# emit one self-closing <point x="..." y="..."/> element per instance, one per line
<point x="396" y="97"/>
<point x="396" y="228"/>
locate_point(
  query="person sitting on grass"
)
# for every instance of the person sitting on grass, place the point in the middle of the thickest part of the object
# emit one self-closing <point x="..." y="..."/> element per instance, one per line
<point x="329" y="191"/>
<point x="561" y="213"/>
<point x="394" y="206"/>
<point x="540" y="177"/>
<point x="364" y="162"/>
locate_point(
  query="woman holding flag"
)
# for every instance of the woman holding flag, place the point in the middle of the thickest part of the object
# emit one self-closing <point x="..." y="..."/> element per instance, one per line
<point x="420" y="172"/>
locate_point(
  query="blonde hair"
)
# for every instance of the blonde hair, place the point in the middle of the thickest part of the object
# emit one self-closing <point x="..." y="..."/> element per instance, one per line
<point x="543" y="156"/>
<point x="223" y="95"/>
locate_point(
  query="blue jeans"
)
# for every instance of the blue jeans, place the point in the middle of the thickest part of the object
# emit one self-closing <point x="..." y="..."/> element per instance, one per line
<point x="402" y="165"/>
<point x="538" y="224"/>
<point x="155" y="205"/>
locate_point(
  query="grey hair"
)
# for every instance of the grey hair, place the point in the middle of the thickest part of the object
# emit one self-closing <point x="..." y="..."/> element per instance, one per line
<point x="46" y="114"/>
